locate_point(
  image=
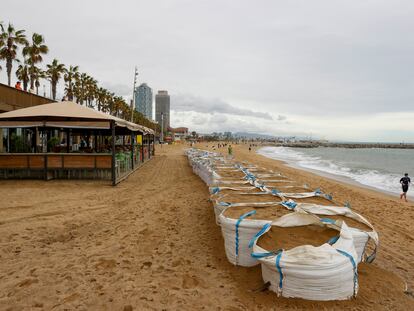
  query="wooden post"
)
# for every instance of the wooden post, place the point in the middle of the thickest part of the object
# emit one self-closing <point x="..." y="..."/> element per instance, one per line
<point x="113" y="153"/>
<point x="8" y="140"/>
<point x="149" y="146"/>
<point x="67" y="140"/>
<point x="34" y="133"/>
<point x="1" y="140"/>
<point x="45" y="163"/>
<point x="153" y="145"/>
<point x="132" y="150"/>
<point x="95" y="141"/>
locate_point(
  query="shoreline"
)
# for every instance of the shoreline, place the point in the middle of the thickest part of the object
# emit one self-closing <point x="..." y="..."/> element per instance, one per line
<point x="334" y="177"/>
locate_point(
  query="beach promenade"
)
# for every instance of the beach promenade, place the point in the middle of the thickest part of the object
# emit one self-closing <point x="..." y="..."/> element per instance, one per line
<point x="151" y="243"/>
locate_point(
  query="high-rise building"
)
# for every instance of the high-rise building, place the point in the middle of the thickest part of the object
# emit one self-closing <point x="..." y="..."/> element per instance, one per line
<point x="162" y="107"/>
<point x="143" y="100"/>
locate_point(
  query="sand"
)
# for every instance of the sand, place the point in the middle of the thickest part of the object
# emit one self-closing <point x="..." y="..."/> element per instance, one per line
<point x="151" y="243"/>
<point x="224" y="192"/>
<point x="293" y="189"/>
<point x="287" y="238"/>
<point x="248" y="198"/>
<point x="270" y="212"/>
<point x="314" y="200"/>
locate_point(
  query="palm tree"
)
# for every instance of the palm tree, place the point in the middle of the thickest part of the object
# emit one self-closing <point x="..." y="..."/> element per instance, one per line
<point x="91" y="87"/>
<point x="10" y="38"/>
<point x="71" y="75"/>
<point x="101" y="99"/>
<point x="38" y="74"/>
<point x="34" y="54"/>
<point x="81" y="85"/>
<point x="23" y="74"/>
<point x="54" y="73"/>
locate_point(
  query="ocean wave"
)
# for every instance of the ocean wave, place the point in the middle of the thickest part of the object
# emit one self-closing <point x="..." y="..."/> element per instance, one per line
<point x="373" y="178"/>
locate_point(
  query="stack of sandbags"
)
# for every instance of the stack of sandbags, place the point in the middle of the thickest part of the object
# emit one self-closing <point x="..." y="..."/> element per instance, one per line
<point x="240" y="223"/>
<point x="307" y="244"/>
<point x="302" y="257"/>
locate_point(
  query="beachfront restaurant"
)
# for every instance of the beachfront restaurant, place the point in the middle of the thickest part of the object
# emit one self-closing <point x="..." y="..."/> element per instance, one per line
<point x="65" y="140"/>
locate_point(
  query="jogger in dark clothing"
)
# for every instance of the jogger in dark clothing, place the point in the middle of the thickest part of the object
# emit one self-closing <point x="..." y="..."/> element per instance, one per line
<point x="405" y="183"/>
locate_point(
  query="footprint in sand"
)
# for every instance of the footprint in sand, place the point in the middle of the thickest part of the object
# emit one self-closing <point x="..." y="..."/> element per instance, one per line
<point x="27" y="282"/>
<point x="176" y="263"/>
<point x="190" y="282"/>
<point x="106" y="264"/>
<point x="146" y="265"/>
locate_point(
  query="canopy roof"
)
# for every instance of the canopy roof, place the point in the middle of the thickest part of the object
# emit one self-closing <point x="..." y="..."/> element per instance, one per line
<point x="65" y="114"/>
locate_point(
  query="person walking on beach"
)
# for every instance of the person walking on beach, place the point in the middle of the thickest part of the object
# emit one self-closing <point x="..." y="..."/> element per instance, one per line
<point x="405" y="183"/>
<point x="230" y="150"/>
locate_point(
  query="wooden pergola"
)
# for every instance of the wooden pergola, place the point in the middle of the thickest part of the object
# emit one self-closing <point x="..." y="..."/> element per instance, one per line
<point x="67" y="140"/>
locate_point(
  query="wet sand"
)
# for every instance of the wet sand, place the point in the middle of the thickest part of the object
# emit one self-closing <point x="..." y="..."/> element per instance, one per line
<point x="151" y="243"/>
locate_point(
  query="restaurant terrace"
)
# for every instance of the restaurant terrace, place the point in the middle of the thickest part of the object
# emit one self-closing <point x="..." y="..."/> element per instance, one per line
<point x="65" y="140"/>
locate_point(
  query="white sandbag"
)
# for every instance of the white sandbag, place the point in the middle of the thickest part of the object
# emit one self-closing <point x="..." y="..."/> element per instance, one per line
<point x="361" y="237"/>
<point x="326" y="272"/>
<point x="219" y="206"/>
<point x="237" y="234"/>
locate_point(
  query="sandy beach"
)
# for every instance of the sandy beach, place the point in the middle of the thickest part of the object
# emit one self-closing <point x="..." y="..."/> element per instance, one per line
<point x="151" y="243"/>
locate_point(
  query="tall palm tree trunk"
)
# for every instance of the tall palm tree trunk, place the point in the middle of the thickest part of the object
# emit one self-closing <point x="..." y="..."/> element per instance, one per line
<point x="32" y="79"/>
<point x="9" y="70"/>
<point x="54" y="90"/>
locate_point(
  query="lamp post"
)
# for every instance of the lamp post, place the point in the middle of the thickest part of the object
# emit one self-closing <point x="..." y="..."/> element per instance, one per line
<point x="133" y="94"/>
<point x="162" y="127"/>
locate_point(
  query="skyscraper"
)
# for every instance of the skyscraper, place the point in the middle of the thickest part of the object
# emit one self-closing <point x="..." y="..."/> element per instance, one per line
<point x="162" y="106"/>
<point x="143" y="100"/>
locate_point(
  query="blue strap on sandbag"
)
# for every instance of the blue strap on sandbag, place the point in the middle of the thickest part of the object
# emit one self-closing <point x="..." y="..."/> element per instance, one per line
<point x="328" y="220"/>
<point x="279" y="269"/>
<point x="215" y="190"/>
<point x="333" y="240"/>
<point x="274" y="191"/>
<point x="347" y="204"/>
<point x="318" y="191"/>
<point x="237" y="228"/>
<point x="329" y="197"/>
<point x="266" y="254"/>
<point x="258" y="234"/>
<point x="289" y="204"/>
<point x="222" y="203"/>
<point x="261" y="255"/>
<point x="349" y="256"/>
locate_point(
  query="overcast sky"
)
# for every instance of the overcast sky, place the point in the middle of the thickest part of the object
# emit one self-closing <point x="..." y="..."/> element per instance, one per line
<point x="331" y="69"/>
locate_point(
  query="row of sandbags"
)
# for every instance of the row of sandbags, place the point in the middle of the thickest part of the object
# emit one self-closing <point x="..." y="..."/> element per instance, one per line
<point x="308" y="245"/>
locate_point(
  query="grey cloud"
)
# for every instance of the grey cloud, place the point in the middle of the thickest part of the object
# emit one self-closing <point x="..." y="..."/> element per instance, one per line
<point x="264" y="60"/>
<point x="203" y="105"/>
<point x="199" y="120"/>
<point x="281" y="118"/>
<point x="118" y="89"/>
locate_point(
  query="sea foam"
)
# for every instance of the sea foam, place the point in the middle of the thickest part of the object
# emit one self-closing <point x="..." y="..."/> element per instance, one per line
<point x="370" y="177"/>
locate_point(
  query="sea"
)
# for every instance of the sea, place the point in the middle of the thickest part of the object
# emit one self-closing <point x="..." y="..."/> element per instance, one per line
<point x="378" y="168"/>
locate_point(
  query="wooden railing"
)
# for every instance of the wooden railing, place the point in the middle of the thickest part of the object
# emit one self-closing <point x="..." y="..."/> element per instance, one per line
<point x="55" y="165"/>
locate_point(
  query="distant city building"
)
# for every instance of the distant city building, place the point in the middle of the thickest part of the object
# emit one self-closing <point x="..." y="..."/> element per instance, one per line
<point x="143" y="100"/>
<point x="180" y="133"/>
<point x="162" y="109"/>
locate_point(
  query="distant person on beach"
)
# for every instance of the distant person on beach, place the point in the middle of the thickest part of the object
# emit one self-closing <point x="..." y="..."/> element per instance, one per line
<point x="250" y="148"/>
<point x="230" y="150"/>
<point x="405" y="183"/>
